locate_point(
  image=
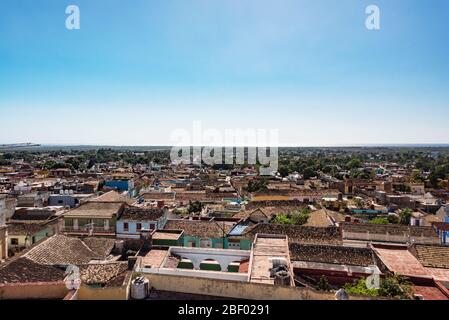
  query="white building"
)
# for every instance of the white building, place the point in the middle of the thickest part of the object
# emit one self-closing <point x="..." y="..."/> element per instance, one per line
<point x="134" y="219"/>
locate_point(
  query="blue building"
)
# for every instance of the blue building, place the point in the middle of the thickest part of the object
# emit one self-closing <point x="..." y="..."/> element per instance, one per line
<point x="443" y="228"/>
<point x="120" y="182"/>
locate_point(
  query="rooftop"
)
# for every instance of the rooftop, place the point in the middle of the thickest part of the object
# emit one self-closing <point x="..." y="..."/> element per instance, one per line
<point x="165" y="235"/>
<point x="24" y="270"/>
<point x="332" y="254"/>
<point x="111" y="196"/>
<point x="135" y="213"/>
<point x="296" y="233"/>
<point x="199" y="228"/>
<point x="390" y="229"/>
<point x="400" y="261"/>
<point x="101" y="273"/>
<point x="265" y="248"/>
<point x="63" y="250"/>
<point x="97" y="209"/>
<point x="154" y="258"/>
<point x="433" y="256"/>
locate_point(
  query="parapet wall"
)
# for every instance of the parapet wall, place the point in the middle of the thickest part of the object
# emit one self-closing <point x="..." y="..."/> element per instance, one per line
<point x="233" y="289"/>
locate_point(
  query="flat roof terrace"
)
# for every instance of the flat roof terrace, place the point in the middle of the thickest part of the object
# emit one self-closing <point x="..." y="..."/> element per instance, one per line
<point x="265" y="249"/>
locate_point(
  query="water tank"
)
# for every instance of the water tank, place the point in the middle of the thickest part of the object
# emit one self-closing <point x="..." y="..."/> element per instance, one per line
<point x="282" y="278"/>
<point x="275" y="270"/>
<point x="140" y="288"/>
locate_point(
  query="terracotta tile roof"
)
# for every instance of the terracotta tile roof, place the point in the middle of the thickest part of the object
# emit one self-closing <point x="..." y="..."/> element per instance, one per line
<point x="390" y="229"/>
<point x="401" y="261"/>
<point x="134" y="213"/>
<point x="198" y="228"/>
<point x="62" y="250"/>
<point x="24" y="229"/>
<point x="26" y="214"/>
<point x="430" y="293"/>
<point x="294" y="204"/>
<point x="167" y="196"/>
<point x="101" y="246"/>
<point x="332" y="254"/>
<point x="111" y="196"/>
<point x="433" y="256"/>
<point x="190" y="196"/>
<point x="438" y="274"/>
<point x="101" y="273"/>
<point x="299" y="234"/>
<point x="270" y="209"/>
<point x="24" y="270"/>
<point x="318" y="219"/>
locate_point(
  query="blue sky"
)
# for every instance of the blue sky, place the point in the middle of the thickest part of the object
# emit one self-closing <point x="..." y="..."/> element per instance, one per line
<point x="139" y="69"/>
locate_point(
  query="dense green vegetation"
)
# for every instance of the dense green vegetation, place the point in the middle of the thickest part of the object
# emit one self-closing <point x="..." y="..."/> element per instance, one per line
<point x="394" y="286"/>
<point x="430" y="165"/>
<point x="295" y="217"/>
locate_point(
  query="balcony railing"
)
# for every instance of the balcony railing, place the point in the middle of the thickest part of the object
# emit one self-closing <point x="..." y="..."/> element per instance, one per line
<point x="68" y="229"/>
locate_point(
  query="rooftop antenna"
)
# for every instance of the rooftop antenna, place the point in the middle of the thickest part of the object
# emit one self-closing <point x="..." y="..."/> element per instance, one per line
<point x="90" y="228"/>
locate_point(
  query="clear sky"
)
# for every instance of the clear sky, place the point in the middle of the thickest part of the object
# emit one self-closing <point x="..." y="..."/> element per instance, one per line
<point x="137" y="70"/>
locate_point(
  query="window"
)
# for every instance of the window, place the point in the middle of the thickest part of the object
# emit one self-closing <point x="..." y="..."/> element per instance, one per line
<point x="125" y="226"/>
<point x="138" y="226"/>
<point x="234" y="245"/>
<point x="152" y="226"/>
<point x="14" y="241"/>
<point x="206" y="243"/>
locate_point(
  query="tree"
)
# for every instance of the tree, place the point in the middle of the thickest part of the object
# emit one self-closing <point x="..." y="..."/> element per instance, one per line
<point x="393" y="219"/>
<point x="300" y="217"/>
<point x="395" y="286"/>
<point x="405" y="216"/>
<point x="195" y="207"/>
<point x="295" y="217"/>
<point x="283" y="171"/>
<point x="354" y="163"/>
<point x="308" y="173"/>
<point x="282" y="219"/>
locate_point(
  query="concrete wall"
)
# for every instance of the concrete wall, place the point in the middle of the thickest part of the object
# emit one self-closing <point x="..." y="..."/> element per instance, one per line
<point x="61" y="200"/>
<point x="40" y="290"/>
<point x="232" y="289"/>
<point x="107" y="293"/>
<point x="388" y="238"/>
